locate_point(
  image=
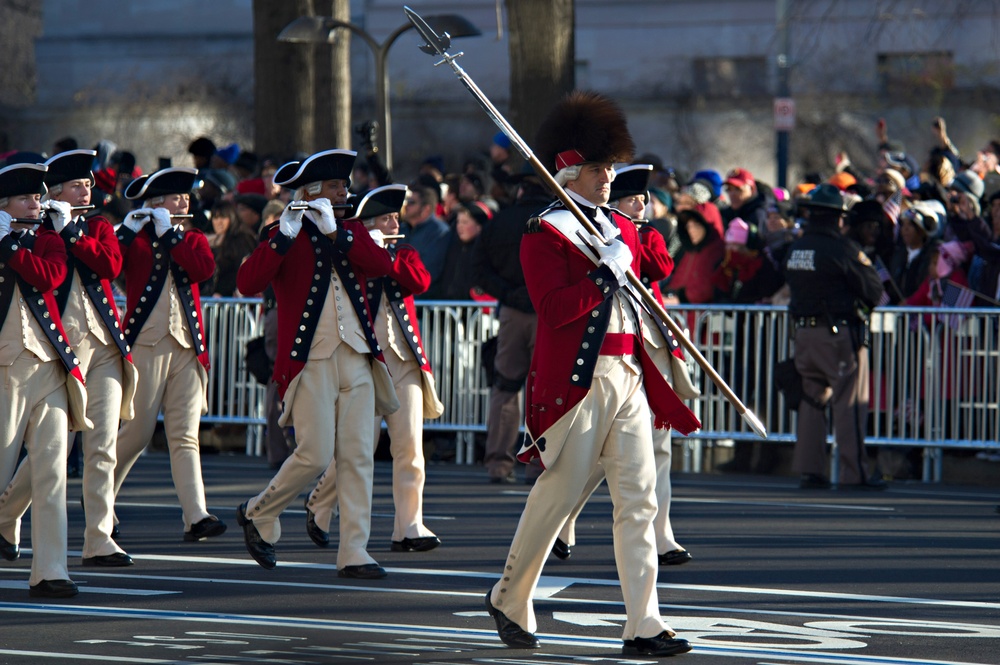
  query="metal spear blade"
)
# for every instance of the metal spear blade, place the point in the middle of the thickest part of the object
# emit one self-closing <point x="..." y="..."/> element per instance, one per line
<point x="436" y="44"/>
<point x="755" y="424"/>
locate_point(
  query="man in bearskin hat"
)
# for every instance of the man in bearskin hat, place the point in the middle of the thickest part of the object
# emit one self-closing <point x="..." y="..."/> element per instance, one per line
<point x="330" y="372"/>
<point x="43" y="394"/>
<point x="399" y="336"/>
<point x="591" y="387"/>
<point x="90" y="319"/>
<point x="164" y="330"/>
<point x="831" y="280"/>
<point x="629" y="193"/>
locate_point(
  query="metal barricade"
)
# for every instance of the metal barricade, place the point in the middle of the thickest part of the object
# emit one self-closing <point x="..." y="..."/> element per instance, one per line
<point x="234" y="397"/>
<point x="935" y="374"/>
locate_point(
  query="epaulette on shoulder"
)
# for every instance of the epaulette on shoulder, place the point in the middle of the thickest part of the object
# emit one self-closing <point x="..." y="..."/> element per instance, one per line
<point x="534" y="224"/>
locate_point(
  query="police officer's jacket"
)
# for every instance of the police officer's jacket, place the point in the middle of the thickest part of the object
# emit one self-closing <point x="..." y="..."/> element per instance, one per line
<point x="829" y="274"/>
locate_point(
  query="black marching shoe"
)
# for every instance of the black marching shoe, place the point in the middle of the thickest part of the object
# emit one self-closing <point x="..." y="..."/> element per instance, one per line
<point x="661" y="645"/>
<point x="53" y="589"/>
<point x="674" y="557"/>
<point x="811" y="481"/>
<point x="316" y="534"/>
<point x="261" y="550"/>
<point x="422" y="544"/>
<point x="368" y="571"/>
<point x="510" y="633"/>
<point x="209" y="527"/>
<point x="113" y="560"/>
<point x="561" y="549"/>
<point x="9" y="551"/>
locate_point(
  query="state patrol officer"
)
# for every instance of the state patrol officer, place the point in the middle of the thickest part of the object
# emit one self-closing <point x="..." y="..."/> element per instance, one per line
<point x="330" y="371"/>
<point x="592" y="386"/>
<point x="831" y="279"/>
<point x="629" y="194"/>
<point x="42" y="389"/>
<point x="164" y="328"/>
<point x="90" y="318"/>
<point x="399" y="336"/>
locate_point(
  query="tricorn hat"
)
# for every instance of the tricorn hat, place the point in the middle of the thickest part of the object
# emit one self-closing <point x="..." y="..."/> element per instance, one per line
<point x="584" y="127"/>
<point x="381" y="201"/>
<point x="631" y="181"/>
<point x="175" y="180"/>
<point x="824" y="196"/>
<point x="326" y="165"/>
<point x="70" y="165"/>
<point x="18" y="179"/>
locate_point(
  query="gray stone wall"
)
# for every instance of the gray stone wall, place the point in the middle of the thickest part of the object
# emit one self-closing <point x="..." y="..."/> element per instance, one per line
<point x="153" y="74"/>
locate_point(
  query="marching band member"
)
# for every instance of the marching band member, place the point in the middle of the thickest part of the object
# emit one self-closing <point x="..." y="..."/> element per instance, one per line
<point x="42" y="390"/>
<point x="399" y="336"/>
<point x="164" y="328"/>
<point x="629" y="193"/>
<point x="90" y="319"/>
<point x="330" y="371"/>
<point x="592" y="386"/>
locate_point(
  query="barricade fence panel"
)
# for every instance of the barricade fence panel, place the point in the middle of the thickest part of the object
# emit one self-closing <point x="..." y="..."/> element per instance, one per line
<point x="935" y="373"/>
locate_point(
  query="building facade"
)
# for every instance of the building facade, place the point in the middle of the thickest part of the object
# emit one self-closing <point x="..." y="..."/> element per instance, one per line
<point x="697" y="77"/>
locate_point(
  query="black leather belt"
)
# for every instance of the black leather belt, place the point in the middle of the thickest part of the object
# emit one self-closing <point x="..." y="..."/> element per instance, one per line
<point x="818" y="322"/>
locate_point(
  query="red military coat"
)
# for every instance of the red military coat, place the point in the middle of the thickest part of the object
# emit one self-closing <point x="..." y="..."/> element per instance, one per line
<point x="96" y="257"/>
<point x="291" y="267"/>
<point x="187" y="256"/>
<point x="657" y="264"/>
<point x="569" y="294"/>
<point x="36" y="261"/>
<point x="409" y="277"/>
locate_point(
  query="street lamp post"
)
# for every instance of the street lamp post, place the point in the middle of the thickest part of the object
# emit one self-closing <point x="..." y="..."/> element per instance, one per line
<point x="322" y="30"/>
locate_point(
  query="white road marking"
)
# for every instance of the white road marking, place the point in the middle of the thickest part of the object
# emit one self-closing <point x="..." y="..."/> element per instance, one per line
<point x="549" y="585"/>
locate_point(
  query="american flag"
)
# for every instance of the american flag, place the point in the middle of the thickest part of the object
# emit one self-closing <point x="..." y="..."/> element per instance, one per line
<point x="893" y="205"/>
<point x="956" y="296"/>
<point x="883" y="274"/>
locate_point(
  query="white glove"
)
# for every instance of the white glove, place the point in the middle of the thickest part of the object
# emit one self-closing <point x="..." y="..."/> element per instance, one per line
<point x="290" y="222"/>
<point x="161" y="221"/>
<point x="135" y="220"/>
<point x="60" y="212"/>
<point x="326" y="223"/>
<point x="378" y="237"/>
<point x="5" y="221"/>
<point x="616" y="256"/>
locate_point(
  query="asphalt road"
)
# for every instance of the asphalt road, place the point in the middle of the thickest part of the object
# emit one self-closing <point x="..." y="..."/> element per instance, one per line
<point x="908" y="576"/>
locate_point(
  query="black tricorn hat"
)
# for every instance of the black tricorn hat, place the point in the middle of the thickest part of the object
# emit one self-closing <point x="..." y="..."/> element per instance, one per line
<point x="326" y="165"/>
<point x="18" y="179"/>
<point x="70" y="165"/>
<point x="584" y="127"/>
<point x="175" y="180"/>
<point x="824" y="196"/>
<point x="631" y="180"/>
<point x="381" y="201"/>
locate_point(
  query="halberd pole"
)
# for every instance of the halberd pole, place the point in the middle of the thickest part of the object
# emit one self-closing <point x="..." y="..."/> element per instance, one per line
<point x="439" y="45"/>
